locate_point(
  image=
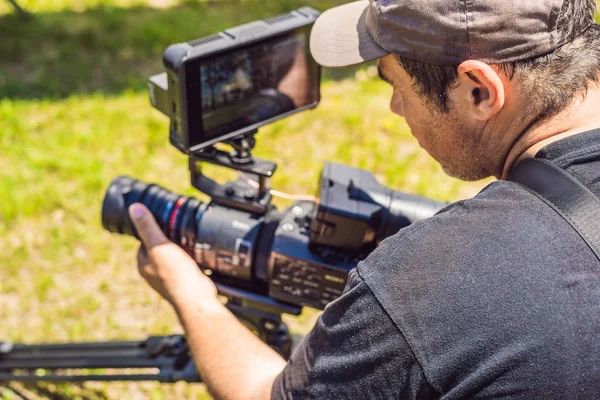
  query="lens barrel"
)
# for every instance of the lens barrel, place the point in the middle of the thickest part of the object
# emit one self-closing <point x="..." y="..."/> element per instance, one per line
<point x="217" y="238"/>
<point x="122" y="192"/>
<point x="174" y="214"/>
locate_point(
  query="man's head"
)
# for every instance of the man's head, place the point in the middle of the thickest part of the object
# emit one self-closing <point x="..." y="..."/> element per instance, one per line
<point x="466" y="74"/>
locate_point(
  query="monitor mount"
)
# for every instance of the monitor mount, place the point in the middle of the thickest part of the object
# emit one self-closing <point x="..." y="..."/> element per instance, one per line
<point x="239" y="194"/>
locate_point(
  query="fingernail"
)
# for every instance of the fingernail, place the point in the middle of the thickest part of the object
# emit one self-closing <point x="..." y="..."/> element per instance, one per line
<point x="137" y="212"/>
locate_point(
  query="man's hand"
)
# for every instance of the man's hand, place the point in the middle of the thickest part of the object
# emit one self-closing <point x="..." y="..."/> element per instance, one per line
<point x="165" y="266"/>
<point x="223" y="349"/>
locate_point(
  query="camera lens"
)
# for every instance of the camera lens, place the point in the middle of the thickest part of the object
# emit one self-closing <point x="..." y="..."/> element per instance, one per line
<point x="216" y="237"/>
<point x="169" y="210"/>
<point x="122" y="192"/>
<point x="187" y="225"/>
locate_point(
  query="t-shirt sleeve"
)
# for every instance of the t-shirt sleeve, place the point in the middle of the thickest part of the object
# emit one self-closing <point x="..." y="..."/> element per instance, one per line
<point x="353" y="352"/>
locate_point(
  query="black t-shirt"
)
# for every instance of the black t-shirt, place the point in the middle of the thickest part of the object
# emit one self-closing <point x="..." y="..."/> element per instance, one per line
<point x="495" y="296"/>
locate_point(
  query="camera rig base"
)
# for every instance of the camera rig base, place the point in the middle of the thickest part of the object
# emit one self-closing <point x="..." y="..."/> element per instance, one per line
<point x="169" y="357"/>
<point x="167" y="354"/>
<point x="239" y="194"/>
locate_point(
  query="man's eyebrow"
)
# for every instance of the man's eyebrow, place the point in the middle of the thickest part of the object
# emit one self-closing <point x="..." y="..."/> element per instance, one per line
<point x="382" y="75"/>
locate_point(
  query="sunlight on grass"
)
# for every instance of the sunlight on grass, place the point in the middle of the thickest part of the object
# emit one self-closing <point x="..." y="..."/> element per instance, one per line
<point x="35" y="6"/>
<point x="74" y="115"/>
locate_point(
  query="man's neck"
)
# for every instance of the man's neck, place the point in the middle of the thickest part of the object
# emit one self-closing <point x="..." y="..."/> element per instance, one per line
<point x="581" y="116"/>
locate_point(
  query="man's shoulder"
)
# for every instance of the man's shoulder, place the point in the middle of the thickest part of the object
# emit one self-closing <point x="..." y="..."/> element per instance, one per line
<point x="502" y="232"/>
<point x="461" y="233"/>
<point x="478" y="278"/>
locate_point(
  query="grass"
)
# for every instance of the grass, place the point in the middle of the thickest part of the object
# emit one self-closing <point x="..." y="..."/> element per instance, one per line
<point x="74" y="114"/>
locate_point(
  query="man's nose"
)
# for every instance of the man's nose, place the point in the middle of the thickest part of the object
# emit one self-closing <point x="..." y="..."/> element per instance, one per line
<point x="396" y="106"/>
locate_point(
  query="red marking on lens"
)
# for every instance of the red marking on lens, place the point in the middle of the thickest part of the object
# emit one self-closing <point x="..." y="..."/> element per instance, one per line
<point x="174" y="217"/>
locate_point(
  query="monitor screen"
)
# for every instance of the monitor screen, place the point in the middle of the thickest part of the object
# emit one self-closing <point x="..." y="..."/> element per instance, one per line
<point x="251" y="86"/>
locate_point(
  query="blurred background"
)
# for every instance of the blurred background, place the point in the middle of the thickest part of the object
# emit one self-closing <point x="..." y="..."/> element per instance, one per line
<point x="74" y="114"/>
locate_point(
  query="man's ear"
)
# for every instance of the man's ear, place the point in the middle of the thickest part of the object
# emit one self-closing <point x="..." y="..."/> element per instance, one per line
<point x="480" y="88"/>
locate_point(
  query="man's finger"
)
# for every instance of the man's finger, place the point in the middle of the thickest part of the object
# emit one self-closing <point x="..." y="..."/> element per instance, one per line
<point x="142" y="256"/>
<point x="146" y="226"/>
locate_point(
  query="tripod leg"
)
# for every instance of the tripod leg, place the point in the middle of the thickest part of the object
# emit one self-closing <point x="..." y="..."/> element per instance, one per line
<point x="278" y="337"/>
<point x="269" y="327"/>
<point x="139" y="360"/>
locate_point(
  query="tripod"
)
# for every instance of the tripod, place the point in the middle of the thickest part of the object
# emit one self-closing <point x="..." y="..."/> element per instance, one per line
<point x="169" y="355"/>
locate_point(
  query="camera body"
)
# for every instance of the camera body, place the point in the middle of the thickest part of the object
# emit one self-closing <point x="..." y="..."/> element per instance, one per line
<point x="229" y="84"/>
<point x="300" y="272"/>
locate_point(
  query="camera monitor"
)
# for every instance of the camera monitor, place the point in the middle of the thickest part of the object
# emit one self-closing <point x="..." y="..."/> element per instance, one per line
<point x="229" y="84"/>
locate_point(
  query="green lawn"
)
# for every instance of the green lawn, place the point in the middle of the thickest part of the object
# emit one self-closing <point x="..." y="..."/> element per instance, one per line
<point x="74" y="114"/>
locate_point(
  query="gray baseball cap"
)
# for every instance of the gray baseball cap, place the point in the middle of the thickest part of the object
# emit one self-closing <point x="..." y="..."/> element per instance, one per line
<point x="445" y="32"/>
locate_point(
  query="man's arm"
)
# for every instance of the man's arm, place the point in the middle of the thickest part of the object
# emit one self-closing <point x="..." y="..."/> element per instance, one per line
<point x="354" y="352"/>
<point x="231" y="360"/>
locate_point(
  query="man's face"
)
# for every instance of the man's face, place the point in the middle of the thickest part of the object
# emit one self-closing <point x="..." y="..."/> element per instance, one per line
<point x="451" y="138"/>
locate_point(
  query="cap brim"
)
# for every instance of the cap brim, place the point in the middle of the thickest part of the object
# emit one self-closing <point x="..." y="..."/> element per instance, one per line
<point x="339" y="37"/>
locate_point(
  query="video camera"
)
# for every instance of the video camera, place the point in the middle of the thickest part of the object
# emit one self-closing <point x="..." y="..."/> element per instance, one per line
<point x="219" y="90"/>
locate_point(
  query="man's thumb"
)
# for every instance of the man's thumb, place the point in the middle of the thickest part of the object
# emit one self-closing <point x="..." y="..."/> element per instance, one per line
<point x="146" y="226"/>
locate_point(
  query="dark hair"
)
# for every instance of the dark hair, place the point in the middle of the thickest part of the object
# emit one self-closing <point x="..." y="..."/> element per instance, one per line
<point x="550" y="81"/>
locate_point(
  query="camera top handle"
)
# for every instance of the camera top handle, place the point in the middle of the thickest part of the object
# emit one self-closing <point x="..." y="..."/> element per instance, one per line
<point x="240" y="194"/>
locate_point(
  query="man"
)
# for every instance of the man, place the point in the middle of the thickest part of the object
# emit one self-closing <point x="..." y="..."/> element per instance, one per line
<point x="496" y="296"/>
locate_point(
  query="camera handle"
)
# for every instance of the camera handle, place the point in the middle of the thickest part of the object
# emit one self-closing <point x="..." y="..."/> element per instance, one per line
<point x="239" y="194"/>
